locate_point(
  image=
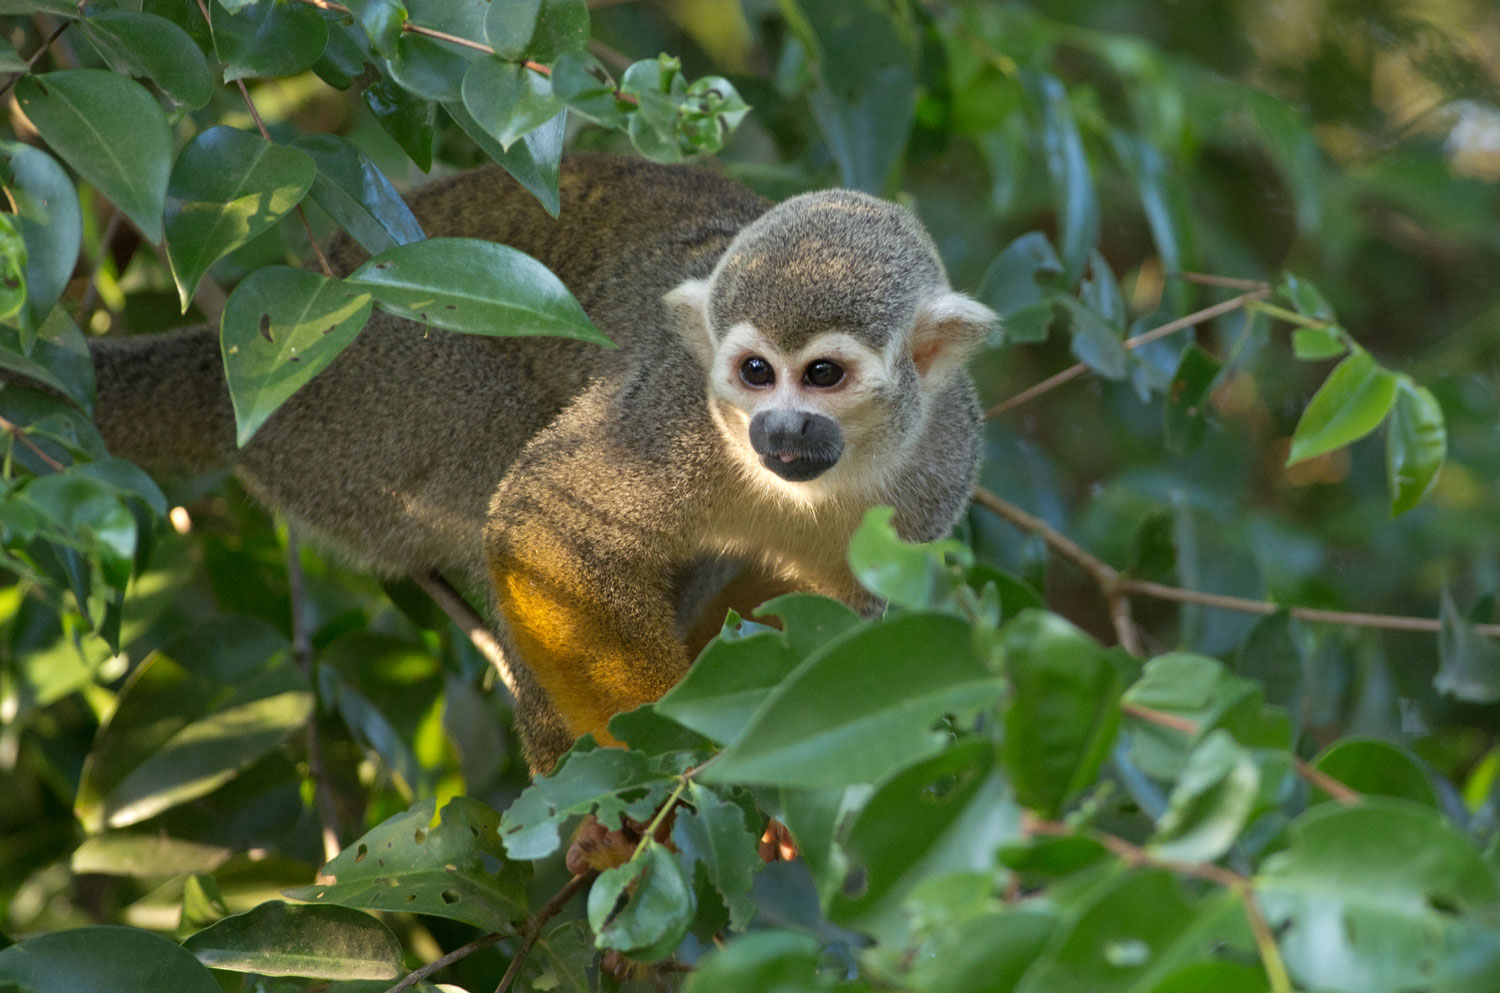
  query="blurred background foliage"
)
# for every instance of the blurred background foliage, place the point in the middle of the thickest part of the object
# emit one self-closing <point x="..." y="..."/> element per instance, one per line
<point x="1354" y="143"/>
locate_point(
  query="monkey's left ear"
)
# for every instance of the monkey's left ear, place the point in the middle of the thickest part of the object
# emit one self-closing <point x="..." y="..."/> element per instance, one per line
<point x="687" y="309"/>
<point x="950" y="327"/>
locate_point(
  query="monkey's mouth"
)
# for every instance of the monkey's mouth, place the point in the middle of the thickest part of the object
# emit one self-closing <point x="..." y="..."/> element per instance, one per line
<point x="797" y="467"/>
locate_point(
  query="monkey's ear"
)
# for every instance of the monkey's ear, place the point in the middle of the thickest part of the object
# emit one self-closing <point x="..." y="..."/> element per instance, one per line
<point x="687" y="309"/>
<point x="950" y="327"/>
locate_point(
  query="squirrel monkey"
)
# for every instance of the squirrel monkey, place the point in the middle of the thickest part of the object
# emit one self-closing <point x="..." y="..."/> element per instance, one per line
<point x="781" y="369"/>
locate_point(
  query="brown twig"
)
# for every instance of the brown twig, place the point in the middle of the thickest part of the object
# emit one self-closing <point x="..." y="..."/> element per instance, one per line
<point x="612" y="56"/>
<point x="439" y="964"/>
<point x="15" y="431"/>
<point x="471" y="624"/>
<point x="35" y="57"/>
<point x="1225" y="282"/>
<point x="1171" y="327"/>
<point x="302" y="654"/>
<point x="538" y="920"/>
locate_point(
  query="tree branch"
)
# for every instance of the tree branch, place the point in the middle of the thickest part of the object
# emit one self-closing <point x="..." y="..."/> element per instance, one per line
<point x="15" y="431"/>
<point x="471" y="624"/>
<point x="437" y="965"/>
<point x="302" y="654"/>
<point x="35" y="57"/>
<point x="534" y="926"/>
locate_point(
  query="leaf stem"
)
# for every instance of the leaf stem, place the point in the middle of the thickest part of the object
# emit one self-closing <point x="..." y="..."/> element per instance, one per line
<point x="661" y="815"/>
<point x="15" y="431"/>
<point x="534" y="926"/>
<point x="35" y="57"/>
<point x="1291" y="316"/>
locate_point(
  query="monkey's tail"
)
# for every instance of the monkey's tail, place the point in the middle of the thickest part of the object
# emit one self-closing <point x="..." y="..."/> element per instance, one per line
<point x="162" y="401"/>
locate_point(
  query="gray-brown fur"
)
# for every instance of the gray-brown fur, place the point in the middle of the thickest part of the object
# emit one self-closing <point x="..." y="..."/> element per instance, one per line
<point x="597" y="475"/>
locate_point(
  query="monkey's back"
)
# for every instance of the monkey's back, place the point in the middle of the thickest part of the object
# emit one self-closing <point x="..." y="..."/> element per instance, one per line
<point x="391" y="453"/>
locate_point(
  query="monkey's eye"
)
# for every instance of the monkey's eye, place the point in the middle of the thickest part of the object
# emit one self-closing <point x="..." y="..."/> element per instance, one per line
<point x="756" y="371"/>
<point x="824" y="373"/>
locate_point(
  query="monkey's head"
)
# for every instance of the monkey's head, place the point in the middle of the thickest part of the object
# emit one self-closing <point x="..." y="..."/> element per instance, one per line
<point x="826" y="329"/>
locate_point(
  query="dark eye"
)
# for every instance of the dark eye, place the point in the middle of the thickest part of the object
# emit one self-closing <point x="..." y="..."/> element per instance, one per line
<point x="823" y="373"/>
<point x="756" y="371"/>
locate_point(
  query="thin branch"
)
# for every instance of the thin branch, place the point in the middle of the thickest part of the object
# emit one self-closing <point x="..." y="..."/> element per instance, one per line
<point x="1265" y="942"/>
<point x="471" y="624"/>
<point x="439" y="964"/>
<point x="35" y="57"/>
<point x="604" y="53"/>
<point x="302" y="654"/>
<point x="1171" y="327"/>
<point x="1225" y="282"/>
<point x="15" y="431"/>
<point x="1100" y="570"/>
<point x="534" y="926"/>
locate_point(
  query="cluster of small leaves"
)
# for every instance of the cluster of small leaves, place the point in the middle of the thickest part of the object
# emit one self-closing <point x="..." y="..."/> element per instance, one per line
<point x="983" y="793"/>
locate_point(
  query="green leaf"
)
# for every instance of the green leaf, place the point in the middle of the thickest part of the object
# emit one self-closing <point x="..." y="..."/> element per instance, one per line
<point x="99" y="959"/>
<point x="51" y="223"/>
<point x="351" y="189"/>
<point x="12" y="268"/>
<point x="949" y="813"/>
<point x="582" y="82"/>
<point x="713" y="831"/>
<point x="428" y="69"/>
<point x="382" y="21"/>
<point x="478" y="287"/>
<point x="763" y="962"/>
<point x="1211" y="804"/>
<point x="1378" y="768"/>
<point x="609" y="782"/>
<point x="1063" y="709"/>
<point x="227" y="187"/>
<point x="143" y="855"/>
<point x="507" y="99"/>
<point x="1010" y="283"/>
<point x="1349" y="405"/>
<point x="1468" y="662"/>
<point x="319" y="942"/>
<point x="644" y="907"/>
<point x="1269" y="655"/>
<point x="110" y="130"/>
<point x="1316" y="344"/>
<point x="177" y="734"/>
<point x="1429" y="918"/>
<point x="448" y="864"/>
<point x="1416" y="444"/>
<point x="1095" y="343"/>
<point x="987" y="953"/>
<point x="1074" y="197"/>
<point x="268" y="39"/>
<point x="1305" y="297"/>
<point x="542" y="30"/>
<point x="406" y="118"/>
<point x="280" y="328"/>
<point x="861" y="705"/>
<point x="534" y="161"/>
<point x="1187" y="399"/>
<point x="152" y="47"/>
<point x="10" y="60"/>
<point x="915" y="576"/>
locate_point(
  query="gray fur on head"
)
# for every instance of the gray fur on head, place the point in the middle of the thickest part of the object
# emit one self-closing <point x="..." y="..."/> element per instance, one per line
<point x="835" y="260"/>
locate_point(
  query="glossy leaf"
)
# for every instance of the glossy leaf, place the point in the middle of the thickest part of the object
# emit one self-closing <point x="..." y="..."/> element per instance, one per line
<point x="582" y="82"/>
<point x="113" y="959"/>
<point x="764" y="961"/>
<point x="1416" y="444"/>
<point x="533" y="162"/>
<point x="110" y="130"/>
<point x="428" y="69"/>
<point x="1063" y="710"/>
<point x="144" y="855"/>
<point x="541" y="30"/>
<point x="268" y="39"/>
<point x="1010" y="283"/>
<point x="351" y="189"/>
<point x="227" y="186"/>
<point x="507" y="99"/>
<point x="406" y="118"/>
<point x="478" y="287"/>
<point x="448" y="863"/>
<point x="51" y="222"/>
<point x="280" y="328"/>
<point x="1349" y="405"/>
<point x="152" y="47"/>
<point x="1426" y="920"/>
<point x="916" y="576"/>
<point x="861" y="706"/>
<point x="1316" y="344"/>
<point x="382" y="21"/>
<point x="642" y="908"/>
<point x="282" y="939"/>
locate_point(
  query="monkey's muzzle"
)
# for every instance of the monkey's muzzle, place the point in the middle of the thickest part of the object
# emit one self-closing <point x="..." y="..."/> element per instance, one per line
<point x="795" y="444"/>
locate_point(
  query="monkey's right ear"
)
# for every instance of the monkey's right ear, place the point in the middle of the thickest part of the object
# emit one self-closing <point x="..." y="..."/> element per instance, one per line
<point x="949" y="329"/>
<point x="687" y="309"/>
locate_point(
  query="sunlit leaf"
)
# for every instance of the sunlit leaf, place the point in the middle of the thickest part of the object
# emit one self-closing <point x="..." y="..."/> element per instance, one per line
<point x="282" y="939"/>
<point x="1349" y="405"/>
<point x="1416" y="444"/>
<point x="152" y="47"/>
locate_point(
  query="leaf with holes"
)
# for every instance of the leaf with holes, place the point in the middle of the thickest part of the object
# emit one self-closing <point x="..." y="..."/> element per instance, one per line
<point x="642" y="908"/>
<point x="1351" y="403"/>
<point x="111" y="131"/>
<point x="318" y="942"/>
<point x="227" y="187"/>
<point x="713" y="831"/>
<point x="280" y="328"/>
<point x="478" y="287"/>
<point x="609" y="782"/>
<point x="447" y="863"/>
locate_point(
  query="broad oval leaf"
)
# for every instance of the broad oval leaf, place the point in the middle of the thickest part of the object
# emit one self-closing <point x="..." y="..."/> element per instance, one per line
<point x="1377" y="768"/>
<point x="144" y="855"/>
<point x="227" y="187"/>
<point x="644" y="907"/>
<point x="537" y="29"/>
<point x="507" y="99"/>
<point x="111" y="131"/>
<point x="478" y="287"/>
<point x="860" y="706"/>
<point x="1211" y="804"/>
<point x="533" y="162"/>
<point x="282" y="939"/>
<point x="406" y="118"/>
<point x="1349" y="405"/>
<point x="268" y="39"/>
<point x="139" y="44"/>
<point x="610" y="783"/>
<point x="59" y="358"/>
<point x="280" y="328"/>
<point x="100" y="959"/>
<point x="1416" y="444"/>
<point x="351" y="189"/>
<point x="51" y="222"/>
